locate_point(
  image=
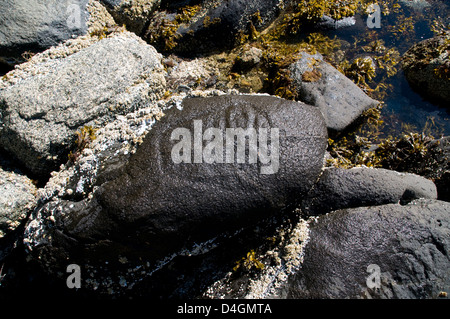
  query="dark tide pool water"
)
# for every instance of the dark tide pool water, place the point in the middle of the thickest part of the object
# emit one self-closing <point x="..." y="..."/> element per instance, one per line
<point x="404" y="110"/>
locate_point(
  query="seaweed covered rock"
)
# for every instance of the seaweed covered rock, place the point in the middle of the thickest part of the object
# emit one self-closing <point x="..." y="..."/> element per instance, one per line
<point x="388" y="251"/>
<point x="165" y="199"/>
<point x="346" y="188"/>
<point x="421" y="155"/>
<point x="318" y="83"/>
<point x="427" y="68"/>
<point x="210" y="25"/>
<point x="81" y="84"/>
<point x="37" y="25"/>
<point x="135" y="14"/>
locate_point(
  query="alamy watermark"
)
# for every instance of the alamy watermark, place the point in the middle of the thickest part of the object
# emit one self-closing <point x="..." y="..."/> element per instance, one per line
<point x="190" y="147"/>
<point x="374" y="18"/>
<point x="74" y="279"/>
<point x="373" y="281"/>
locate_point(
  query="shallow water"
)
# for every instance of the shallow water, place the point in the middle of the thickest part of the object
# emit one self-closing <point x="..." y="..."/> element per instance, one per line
<point x="404" y="110"/>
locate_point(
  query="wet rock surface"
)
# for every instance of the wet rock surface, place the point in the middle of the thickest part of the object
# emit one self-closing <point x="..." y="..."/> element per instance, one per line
<point x="115" y="154"/>
<point x="357" y="187"/>
<point x="409" y="245"/>
<point x="318" y="83"/>
<point x="154" y="200"/>
<point x="211" y="26"/>
<point x="426" y="66"/>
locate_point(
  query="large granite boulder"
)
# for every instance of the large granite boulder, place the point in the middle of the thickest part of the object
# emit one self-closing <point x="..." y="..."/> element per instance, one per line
<point x="383" y="252"/>
<point x="43" y="103"/>
<point x="167" y="198"/>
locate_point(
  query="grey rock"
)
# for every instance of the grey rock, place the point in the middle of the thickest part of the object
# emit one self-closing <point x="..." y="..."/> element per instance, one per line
<point x="17" y="200"/>
<point x="417" y="5"/>
<point x="339" y="99"/>
<point x="37" y="25"/>
<point x="420" y="63"/>
<point x="408" y="246"/>
<point x="100" y="20"/>
<point x="347" y="188"/>
<point x="41" y="112"/>
<point x="151" y="207"/>
<point x="132" y="13"/>
<point x="329" y="23"/>
<point x="440" y="171"/>
<point x="248" y="58"/>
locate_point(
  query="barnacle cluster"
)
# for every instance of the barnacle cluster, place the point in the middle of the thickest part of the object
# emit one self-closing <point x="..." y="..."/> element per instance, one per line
<point x="163" y="31"/>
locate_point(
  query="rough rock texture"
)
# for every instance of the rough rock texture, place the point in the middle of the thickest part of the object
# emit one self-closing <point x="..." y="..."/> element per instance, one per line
<point x="346" y="188"/>
<point x="53" y="98"/>
<point x="426" y="66"/>
<point x="99" y="18"/>
<point x="37" y="25"/>
<point x="17" y="200"/>
<point x="186" y="75"/>
<point x="248" y="58"/>
<point x="410" y="245"/>
<point x="339" y="99"/>
<point x="151" y="207"/>
<point x="132" y="13"/>
<point x="235" y="194"/>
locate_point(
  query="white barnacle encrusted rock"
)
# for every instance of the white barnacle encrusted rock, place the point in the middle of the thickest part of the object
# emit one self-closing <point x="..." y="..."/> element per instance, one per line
<point x="17" y="200"/>
<point x="281" y="262"/>
<point x="83" y="82"/>
<point x="291" y="254"/>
